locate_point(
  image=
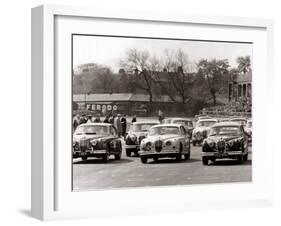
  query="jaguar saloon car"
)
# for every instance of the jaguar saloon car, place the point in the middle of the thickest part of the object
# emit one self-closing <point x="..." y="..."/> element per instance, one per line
<point x="98" y="140"/>
<point x="225" y="140"/>
<point x="137" y="132"/>
<point x="165" y="140"/>
<point x="201" y="129"/>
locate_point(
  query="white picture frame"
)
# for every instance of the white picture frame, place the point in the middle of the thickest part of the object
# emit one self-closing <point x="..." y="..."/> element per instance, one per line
<point x="53" y="199"/>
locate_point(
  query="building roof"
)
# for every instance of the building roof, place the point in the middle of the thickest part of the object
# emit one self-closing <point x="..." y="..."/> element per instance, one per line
<point x="120" y="97"/>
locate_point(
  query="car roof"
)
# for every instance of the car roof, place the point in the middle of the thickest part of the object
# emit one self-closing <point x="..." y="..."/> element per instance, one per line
<point x="226" y="124"/>
<point x="145" y="122"/>
<point x="238" y="118"/>
<point x="183" y="119"/>
<point x="95" y="124"/>
<point x="207" y="120"/>
<point x="168" y="125"/>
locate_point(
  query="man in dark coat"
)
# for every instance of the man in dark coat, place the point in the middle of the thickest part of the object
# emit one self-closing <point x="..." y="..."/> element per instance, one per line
<point x="124" y="125"/>
<point x="134" y="118"/>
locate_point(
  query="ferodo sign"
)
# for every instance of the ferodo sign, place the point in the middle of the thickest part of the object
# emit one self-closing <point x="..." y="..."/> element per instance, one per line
<point x="102" y="107"/>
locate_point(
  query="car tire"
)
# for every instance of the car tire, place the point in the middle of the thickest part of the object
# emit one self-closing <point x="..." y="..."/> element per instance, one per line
<point x="105" y="157"/>
<point x="205" y="161"/>
<point x="240" y="159"/>
<point x="178" y="158"/>
<point x="187" y="156"/>
<point x="143" y="160"/>
<point x="128" y="153"/>
<point x="245" y="157"/>
<point x="117" y="156"/>
<point x="84" y="158"/>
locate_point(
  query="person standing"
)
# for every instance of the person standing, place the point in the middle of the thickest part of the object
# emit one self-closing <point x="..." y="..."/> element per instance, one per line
<point x="97" y="119"/>
<point x="90" y="119"/>
<point x="134" y="119"/>
<point x="160" y="116"/>
<point x="106" y="120"/>
<point x="118" y="125"/>
<point x="124" y="125"/>
<point x="82" y="119"/>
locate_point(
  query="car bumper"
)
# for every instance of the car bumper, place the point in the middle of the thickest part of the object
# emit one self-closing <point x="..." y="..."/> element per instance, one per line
<point x="163" y="152"/>
<point x="89" y="153"/>
<point x="132" y="146"/>
<point x="222" y="155"/>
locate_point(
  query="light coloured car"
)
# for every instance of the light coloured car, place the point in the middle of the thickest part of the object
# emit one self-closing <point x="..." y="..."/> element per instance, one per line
<point x="201" y="130"/>
<point x="98" y="140"/>
<point x="137" y="132"/>
<point x="165" y="140"/>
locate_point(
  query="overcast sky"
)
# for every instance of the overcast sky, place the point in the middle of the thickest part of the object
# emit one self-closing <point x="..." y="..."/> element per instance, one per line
<point x="108" y="51"/>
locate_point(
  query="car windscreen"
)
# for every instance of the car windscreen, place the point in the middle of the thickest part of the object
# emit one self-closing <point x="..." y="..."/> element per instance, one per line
<point x="240" y="121"/>
<point x="141" y="127"/>
<point x="225" y="130"/>
<point x="90" y="129"/>
<point x="162" y="130"/>
<point x="206" y="123"/>
<point x="183" y="123"/>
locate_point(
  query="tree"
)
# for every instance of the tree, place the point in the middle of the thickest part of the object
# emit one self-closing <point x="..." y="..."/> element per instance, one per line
<point x="215" y="73"/>
<point x="138" y="62"/>
<point x="93" y="78"/>
<point x="244" y="64"/>
<point x="177" y="66"/>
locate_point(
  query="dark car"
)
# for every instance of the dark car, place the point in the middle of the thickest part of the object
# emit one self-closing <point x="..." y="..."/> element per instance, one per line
<point x="137" y="132"/>
<point x="225" y="140"/>
<point x="98" y="140"/>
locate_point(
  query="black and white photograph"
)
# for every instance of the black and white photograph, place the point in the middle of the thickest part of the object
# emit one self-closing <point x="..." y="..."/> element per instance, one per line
<point x="153" y="111"/>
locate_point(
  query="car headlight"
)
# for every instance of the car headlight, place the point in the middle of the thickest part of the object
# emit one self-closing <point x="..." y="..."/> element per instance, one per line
<point x="94" y="142"/>
<point x="89" y="146"/>
<point x="168" y="143"/>
<point x="231" y="143"/>
<point x="211" y="143"/>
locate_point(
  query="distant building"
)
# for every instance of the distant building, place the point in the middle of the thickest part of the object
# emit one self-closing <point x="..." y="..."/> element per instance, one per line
<point x="240" y="87"/>
<point x="124" y="103"/>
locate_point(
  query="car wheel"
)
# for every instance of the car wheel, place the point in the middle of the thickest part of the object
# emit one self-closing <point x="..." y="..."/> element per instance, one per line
<point x="187" y="156"/>
<point x="84" y="158"/>
<point x="155" y="159"/>
<point x="205" y="161"/>
<point x="178" y="158"/>
<point x="240" y="159"/>
<point x="128" y="153"/>
<point x="117" y="156"/>
<point x="245" y="157"/>
<point x="143" y="160"/>
<point x="105" y="158"/>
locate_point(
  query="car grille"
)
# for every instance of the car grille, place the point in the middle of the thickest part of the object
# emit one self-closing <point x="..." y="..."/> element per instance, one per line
<point x="158" y="145"/>
<point x="221" y="146"/>
<point x="83" y="145"/>
<point x="130" y="141"/>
